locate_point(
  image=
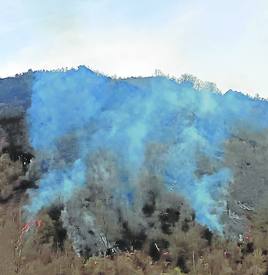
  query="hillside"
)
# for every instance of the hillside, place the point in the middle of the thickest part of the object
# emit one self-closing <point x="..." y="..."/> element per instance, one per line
<point x="149" y="173"/>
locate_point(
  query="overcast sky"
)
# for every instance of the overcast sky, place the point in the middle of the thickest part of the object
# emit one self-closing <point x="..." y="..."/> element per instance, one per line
<point x="225" y="42"/>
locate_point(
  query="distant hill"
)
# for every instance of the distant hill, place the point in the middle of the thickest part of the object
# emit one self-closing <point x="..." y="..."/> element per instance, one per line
<point x="76" y="129"/>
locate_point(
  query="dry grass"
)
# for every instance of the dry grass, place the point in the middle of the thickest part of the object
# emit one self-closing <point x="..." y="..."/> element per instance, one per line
<point x="9" y="172"/>
<point x="38" y="255"/>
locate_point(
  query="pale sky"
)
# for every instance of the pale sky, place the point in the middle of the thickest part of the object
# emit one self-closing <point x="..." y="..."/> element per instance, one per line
<point x="225" y="42"/>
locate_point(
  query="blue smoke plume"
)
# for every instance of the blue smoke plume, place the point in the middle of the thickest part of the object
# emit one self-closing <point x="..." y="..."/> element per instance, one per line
<point x="93" y="112"/>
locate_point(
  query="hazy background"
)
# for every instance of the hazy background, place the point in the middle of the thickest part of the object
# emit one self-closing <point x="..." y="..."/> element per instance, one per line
<point x="225" y="42"/>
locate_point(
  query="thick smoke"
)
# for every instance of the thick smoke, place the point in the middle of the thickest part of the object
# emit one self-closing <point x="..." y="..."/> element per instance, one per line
<point x="96" y="139"/>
